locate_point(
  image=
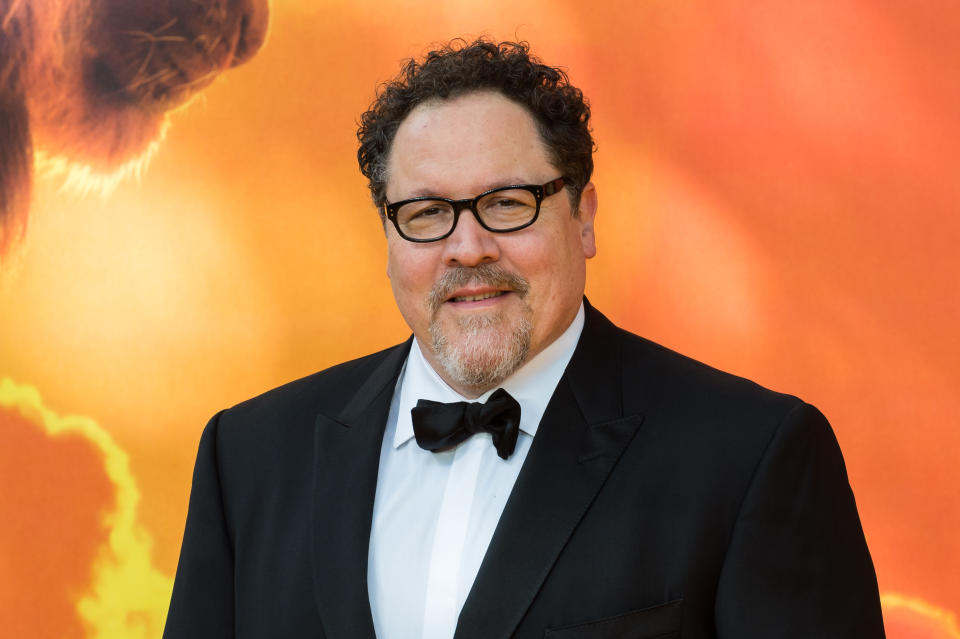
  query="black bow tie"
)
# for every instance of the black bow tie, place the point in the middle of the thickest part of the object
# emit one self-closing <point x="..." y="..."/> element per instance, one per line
<point x="440" y="426"/>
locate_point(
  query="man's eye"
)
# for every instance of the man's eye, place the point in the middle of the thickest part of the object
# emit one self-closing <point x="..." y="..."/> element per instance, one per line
<point x="427" y="212"/>
<point x="506" y="203"/>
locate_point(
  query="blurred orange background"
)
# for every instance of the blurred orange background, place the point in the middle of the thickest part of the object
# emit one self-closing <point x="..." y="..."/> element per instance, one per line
<point x="778" y="198"/>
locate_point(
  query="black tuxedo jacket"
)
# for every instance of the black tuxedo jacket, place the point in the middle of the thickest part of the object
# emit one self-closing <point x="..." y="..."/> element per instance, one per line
<point x="660" y="498"/>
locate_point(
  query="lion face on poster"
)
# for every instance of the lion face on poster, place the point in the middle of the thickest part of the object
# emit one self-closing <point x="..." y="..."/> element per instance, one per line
<point x="92" y="81"/>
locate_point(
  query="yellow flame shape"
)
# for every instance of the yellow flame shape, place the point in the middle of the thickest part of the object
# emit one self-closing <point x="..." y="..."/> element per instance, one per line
<point x="128" y="596"/>
<point x="948" y="620"/>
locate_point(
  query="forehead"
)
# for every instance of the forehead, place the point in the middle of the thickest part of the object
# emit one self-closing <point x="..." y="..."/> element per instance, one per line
<point x="465" y="145"/>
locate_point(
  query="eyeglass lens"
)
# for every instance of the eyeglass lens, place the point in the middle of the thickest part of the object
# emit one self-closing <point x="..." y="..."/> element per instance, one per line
<point x="502" y="210"/>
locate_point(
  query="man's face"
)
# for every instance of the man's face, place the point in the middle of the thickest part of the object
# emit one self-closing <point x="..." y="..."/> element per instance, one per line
<point x="482" y="303"/>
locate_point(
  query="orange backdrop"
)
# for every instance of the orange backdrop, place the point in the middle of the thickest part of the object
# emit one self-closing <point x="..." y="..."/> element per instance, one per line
<point x="778" y="198"/>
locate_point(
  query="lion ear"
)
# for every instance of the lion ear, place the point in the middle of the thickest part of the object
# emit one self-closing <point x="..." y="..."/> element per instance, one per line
<point x="16" y="162"/>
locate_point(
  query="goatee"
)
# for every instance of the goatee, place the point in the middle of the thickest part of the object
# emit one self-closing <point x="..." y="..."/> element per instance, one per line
<point x="489" y="347"/>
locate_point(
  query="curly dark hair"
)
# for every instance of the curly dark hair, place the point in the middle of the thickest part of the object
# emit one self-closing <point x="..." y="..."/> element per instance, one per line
<point x="559" y="109"/>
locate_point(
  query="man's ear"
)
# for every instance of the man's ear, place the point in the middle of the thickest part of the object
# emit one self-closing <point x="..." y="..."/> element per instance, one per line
<point x="587" y="213"/>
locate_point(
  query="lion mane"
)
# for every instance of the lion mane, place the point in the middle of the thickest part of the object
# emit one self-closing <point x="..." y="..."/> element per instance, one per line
<point x="93" y="81"/>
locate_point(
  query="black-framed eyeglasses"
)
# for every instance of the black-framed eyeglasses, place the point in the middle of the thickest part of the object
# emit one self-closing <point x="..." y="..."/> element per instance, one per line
<point x="500" y="210"/>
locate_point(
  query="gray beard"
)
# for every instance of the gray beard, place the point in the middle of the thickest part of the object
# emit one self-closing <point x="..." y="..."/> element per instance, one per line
<point x="489" y="349"/>
<point x="486" y="354"/>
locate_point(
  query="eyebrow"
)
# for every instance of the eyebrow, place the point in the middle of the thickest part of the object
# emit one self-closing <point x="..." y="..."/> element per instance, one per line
<point x="487" y="187"/>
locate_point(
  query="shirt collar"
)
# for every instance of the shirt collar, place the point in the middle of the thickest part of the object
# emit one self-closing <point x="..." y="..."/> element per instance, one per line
<point x="531" y="385"/>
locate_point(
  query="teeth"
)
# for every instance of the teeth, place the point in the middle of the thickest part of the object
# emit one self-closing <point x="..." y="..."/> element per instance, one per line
<point x="477" y="298"/>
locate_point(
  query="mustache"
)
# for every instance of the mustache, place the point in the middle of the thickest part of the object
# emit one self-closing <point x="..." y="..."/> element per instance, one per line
<point x="486" y="274"/>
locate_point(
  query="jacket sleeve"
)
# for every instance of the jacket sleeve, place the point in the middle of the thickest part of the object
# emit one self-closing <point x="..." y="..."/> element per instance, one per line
<point x="798" y="564"/>
<point x="203" y="591"/>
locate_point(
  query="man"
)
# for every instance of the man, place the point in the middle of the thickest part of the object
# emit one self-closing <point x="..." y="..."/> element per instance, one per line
<point x="610" y="488"/>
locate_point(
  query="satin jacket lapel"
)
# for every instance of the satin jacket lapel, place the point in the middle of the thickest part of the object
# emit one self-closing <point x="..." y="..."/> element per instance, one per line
<point x="346" y="461"/>
<point x="580" y="439"/>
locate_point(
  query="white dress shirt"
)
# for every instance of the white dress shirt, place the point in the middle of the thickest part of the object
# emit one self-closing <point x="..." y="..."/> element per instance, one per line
<point x="432" y="519"/>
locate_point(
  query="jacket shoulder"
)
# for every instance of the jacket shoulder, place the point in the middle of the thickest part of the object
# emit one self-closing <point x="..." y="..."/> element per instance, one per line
<point x="680" y="375"/>
<point x="697" y="401"/>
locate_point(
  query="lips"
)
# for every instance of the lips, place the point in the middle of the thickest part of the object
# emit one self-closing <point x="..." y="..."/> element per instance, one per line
<point x="477" y="297"/>
<point x="478" y="285"/>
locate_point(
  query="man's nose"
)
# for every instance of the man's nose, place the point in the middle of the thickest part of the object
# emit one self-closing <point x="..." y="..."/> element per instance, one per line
<point x="470" y="244"/>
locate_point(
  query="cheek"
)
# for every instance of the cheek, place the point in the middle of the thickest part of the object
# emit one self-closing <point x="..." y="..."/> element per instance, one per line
<point x="397" y="261"/>
<point x="550" y="260"/>
<point x="411" y="277"/>
<point x="542" y="269"/>
<point x="556" y="271"/>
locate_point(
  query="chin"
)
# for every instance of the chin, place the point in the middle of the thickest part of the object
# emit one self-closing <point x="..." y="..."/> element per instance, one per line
<point x="480" y="351"/>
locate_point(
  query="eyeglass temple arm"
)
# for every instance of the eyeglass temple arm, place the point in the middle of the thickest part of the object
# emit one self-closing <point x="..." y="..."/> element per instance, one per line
<point x="552" y="187"/>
